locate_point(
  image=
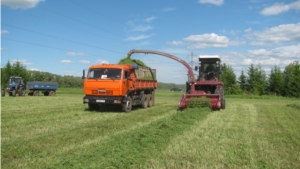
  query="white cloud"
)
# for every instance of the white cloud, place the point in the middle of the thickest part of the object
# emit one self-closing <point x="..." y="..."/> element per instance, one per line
<point x="214" y="2"/>
<point x="281" y="33"/>
<point x="278" y="8"/>
<point x="99" y="61"/>
<point x="175" y="43"/>
<point x="140" y="37"/>
<point x="23" y="62"/>
<point x="168" y="9"/>
<point x="282" y="52"/>
<point x="75" y="54"/>
<point x="141" y="28"/>
<point x="207" y="40"/>
<point x="84" y="61"/>
<point x="237" y="42"/>
<point x="66" y="61"/>
<point x="150" y="19"/>
<point x="34" y="69"/>
<point x="15" y="4"/>
<point x="4" y="32"/>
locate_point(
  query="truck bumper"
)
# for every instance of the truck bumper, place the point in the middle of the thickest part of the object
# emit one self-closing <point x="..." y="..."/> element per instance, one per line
<point x="102" y="100"/>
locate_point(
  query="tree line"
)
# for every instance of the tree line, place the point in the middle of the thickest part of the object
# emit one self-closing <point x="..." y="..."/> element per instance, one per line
<point x="254" y="81"/>
<point x="18" y="69"/>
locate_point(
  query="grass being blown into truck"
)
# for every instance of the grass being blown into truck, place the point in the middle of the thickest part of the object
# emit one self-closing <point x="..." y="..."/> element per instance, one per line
<point x="123" y="85"/>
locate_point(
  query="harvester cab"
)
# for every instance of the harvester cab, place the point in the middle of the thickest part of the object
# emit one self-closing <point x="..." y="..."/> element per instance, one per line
<point x="208" y="85"/>
<point x="209" y="68"/>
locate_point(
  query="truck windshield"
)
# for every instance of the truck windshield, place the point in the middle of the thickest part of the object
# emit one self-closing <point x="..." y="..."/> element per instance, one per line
<point x="104" y="73"/>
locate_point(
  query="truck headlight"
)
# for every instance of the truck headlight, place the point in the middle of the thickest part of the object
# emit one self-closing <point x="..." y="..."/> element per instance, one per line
<point x="85" y="100"/>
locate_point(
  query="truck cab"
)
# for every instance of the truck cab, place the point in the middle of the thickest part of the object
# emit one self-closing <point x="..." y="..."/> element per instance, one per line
<point x="117" y="84"/>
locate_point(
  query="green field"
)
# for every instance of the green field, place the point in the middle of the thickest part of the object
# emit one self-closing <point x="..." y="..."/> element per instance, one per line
<point x="60" y="132"/>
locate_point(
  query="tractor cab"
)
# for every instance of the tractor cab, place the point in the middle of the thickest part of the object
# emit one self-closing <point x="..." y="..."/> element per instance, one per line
<point x="209" y="68"/>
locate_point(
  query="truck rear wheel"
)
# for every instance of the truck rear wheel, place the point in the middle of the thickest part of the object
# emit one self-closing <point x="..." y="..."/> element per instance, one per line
<point x="127" y="106"/>
<point x="145" y="101"/>
<point x="150" y="100"/>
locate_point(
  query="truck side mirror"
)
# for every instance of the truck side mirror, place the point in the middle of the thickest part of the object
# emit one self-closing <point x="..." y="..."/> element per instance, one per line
<point x="83" y="74"/>
<point x="196" y="68"/>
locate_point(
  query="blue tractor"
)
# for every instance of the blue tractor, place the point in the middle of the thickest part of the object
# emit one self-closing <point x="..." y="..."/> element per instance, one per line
<point x="14" y="86"/>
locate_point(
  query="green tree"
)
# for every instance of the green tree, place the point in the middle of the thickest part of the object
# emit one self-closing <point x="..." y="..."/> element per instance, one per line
<point x="229" y="79"/>
<point x="6" y="72"/>
<point x="243" y="81"/>
<point x="292" y="79"/>
<point x="15" y="69"/>
<point x="257" y="80"/>
<point x="276" y="81"/>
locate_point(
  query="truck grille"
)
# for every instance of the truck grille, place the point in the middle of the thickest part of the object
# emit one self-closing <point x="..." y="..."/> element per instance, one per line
<point x="102" y="92"/>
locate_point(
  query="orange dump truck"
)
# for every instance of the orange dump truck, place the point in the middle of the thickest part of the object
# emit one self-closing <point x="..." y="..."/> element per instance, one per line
<point x="125" y="85"/>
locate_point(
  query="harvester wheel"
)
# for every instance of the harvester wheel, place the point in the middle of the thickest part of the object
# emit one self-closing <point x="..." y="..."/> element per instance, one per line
<point x="223" y="104"/>
<point x="127" y="106"/>
<point x="150" y="100"/>
<point x="13" y="93"/>
<point x="145" y="101"/>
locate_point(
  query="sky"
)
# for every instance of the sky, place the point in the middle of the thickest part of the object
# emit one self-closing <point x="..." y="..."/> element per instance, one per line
<point x="65" y="37"/>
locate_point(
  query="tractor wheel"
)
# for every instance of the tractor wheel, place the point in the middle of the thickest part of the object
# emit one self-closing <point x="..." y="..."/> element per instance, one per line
<point x="150" y="100"/>
<point x="36" y="93"/>
<point x="127" y="106"/>
<point x="52" y="93"/>
<point x="3" y="92"/>
<point x="145" y="101"/>
<point x="13" y="93"/>
<point x="21" y="92"/>
<point x="223" y="103"/>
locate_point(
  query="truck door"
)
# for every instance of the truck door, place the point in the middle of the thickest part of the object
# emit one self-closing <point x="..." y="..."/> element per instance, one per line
<point x="124" y="82"/>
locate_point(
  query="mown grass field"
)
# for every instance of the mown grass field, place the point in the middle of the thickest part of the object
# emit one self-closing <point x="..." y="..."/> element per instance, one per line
<point x="59" y="132"/>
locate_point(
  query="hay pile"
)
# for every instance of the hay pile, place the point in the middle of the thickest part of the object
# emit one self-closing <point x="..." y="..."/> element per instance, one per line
<point x="128" y="60"/>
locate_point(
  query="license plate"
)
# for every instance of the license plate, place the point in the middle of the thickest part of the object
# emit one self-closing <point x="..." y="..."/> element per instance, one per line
<point x="100" y="101"/>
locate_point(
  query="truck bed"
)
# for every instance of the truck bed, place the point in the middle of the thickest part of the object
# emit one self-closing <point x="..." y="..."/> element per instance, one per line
<point x="42" y="85"/>
<point x="142" y="84"/>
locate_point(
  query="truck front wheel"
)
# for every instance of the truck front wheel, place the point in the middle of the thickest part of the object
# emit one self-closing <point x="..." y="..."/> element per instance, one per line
<point x="93" y="107"/>
<point x="127" y="106"/>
